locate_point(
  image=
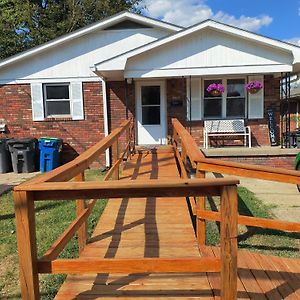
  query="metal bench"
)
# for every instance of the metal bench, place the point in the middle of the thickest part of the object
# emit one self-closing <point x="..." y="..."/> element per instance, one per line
<point x="226" y="128"/>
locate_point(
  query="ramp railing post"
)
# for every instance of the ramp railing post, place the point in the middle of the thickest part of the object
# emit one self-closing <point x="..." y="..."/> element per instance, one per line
<point x="229" y="247"/>
<point x="200" y="203"/>
<point x="115" y="157"/>
<point x="80" y="207"/>
<point x="27" y="249"/>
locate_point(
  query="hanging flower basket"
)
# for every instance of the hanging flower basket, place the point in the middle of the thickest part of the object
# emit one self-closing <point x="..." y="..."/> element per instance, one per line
<point x="253" y="91"/>
<point x="215" y="89"/>
<point x="254" y="86"/>
<point x="215" y="93"/>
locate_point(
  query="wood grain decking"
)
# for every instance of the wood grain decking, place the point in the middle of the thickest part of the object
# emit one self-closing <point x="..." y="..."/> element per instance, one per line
<point x="161" y="227"/>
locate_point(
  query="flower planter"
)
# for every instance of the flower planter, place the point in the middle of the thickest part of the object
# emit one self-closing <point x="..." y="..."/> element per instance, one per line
<point x="215" y="93"/>
<point x="253" y="91"/>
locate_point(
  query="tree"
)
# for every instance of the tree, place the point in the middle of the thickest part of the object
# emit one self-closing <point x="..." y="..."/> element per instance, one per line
<point x="28" y="23"/>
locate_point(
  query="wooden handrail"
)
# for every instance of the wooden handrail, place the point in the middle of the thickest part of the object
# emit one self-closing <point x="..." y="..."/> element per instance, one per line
<point x="128" y="266"/>
<point x="58" y="246"/>
<point x="83" y="161"/>
<point x="232" y="168"/>
<point x="203" y="164"/>
<point x="25" y="215"/>
<point x="191" y="147"/>
<point x="126" y="188"/>
<point x="252" y="221"/>
<point x="248" y="170"/>
<point x="82" y="216"/>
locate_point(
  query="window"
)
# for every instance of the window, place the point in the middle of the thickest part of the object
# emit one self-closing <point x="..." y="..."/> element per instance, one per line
<point x="230" y="104"/>
<point x="212" y="105"/>
<point x="57" y="99"/>
<point x="235" y="98"/>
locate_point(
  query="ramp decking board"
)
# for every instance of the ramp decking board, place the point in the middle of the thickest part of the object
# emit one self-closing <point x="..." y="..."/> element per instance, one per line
<point x="161" y="227"/>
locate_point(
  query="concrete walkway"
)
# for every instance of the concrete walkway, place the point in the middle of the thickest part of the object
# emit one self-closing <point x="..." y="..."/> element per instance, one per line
<point x="9" y="180"/>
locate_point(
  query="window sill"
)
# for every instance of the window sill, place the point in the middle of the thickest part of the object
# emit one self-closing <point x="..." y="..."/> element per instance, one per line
<point x="52" y="119"/>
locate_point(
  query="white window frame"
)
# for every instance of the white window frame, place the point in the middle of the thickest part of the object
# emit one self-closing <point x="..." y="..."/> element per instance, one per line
<point x="45" y="85"/>
<point x="224" y="97"/>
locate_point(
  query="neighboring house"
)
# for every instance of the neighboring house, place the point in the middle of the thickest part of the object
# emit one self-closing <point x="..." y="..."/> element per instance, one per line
<point x="77" y="87"/>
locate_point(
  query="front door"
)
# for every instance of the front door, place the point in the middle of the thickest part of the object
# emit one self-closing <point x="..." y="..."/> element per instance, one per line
<point x="151" y="113"/>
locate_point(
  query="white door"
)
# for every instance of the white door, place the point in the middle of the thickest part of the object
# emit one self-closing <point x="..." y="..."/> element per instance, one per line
<point x="151" y="113"/>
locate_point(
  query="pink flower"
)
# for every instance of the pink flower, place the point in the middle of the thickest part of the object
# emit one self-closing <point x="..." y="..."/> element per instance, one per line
<point x="254" y="85"/>
<point x="216" y="87"/>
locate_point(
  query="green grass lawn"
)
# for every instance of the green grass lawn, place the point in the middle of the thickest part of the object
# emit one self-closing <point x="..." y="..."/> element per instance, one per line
<point x="54" y="216"/>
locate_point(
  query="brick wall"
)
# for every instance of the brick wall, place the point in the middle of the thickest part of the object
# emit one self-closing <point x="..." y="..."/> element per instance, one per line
<point x="117" y="106"/>
<point x="79" y="135"/>
<point x="286" y="162"/>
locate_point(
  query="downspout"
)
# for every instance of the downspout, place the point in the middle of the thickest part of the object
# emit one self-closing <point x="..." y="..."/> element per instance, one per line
<point x="105" y="118"/>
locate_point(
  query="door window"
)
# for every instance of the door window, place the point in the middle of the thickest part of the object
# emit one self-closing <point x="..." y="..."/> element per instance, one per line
<point x="151" y="105"/>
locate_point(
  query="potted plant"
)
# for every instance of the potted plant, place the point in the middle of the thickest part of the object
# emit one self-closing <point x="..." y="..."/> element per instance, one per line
<point x="254" y="86"/>
<point x="215" y="89"/>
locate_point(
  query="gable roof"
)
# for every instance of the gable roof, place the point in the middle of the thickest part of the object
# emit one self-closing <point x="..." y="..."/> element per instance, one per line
<point x="231" y="30"/>
<point x="100" y="25"/>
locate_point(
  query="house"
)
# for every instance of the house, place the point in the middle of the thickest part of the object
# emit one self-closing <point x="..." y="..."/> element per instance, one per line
<point x="80" y="86"/>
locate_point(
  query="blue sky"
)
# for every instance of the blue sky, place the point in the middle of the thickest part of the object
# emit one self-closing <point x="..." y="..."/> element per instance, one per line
<point x="273" y="18"/>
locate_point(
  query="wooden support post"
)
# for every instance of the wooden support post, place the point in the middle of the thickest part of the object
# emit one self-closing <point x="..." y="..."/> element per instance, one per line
<point x="26" y="238"/>
<point x="229" y="216"/>
<point x="115" y="157"/>
<point x="80" y="207"/>
<point x="200" y="202"/>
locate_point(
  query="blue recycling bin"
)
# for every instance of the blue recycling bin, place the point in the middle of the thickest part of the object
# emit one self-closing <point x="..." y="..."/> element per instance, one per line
<point x="50" y="149"/>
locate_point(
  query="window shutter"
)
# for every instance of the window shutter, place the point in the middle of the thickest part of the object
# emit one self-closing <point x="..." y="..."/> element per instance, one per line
<point x="37" y="102"/>
<point x="256" y="101"/>
<point x="77" y="101"/>
<point x="195" y="99"/>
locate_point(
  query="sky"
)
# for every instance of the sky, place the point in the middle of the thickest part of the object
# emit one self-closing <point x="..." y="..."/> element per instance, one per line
<point x="273" y="18"/>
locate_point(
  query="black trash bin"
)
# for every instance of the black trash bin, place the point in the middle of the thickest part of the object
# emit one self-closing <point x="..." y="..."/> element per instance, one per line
<point x="23" y="153"/>
<point x="5" y="158"/>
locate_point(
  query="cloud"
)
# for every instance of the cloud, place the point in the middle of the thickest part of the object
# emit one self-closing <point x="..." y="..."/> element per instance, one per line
<point x="295" y="40"/>
<point x="187" y="12"/>
<point x="299" y="11"/>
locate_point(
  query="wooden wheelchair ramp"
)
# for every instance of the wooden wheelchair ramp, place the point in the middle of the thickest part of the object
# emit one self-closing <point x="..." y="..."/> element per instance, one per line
<point x="161" y="227"/>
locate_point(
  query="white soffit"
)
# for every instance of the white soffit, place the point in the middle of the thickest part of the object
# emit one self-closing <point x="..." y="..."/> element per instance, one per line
<point x="107" y="22"/>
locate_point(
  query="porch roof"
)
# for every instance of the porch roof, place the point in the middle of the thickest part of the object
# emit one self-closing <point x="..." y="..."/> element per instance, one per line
<point x="208" y="48"/>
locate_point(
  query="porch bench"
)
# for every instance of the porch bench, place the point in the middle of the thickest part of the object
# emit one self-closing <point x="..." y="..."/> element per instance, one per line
<point x="225" y="128"/>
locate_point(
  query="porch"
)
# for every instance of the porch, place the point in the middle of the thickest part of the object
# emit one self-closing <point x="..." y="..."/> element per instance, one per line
<point x="145" y="243"/>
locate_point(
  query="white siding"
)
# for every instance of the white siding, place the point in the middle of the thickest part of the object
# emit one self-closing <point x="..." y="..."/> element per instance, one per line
<point x="75" y="58"/>
<point x="208" y="50"/>
<point x="256" y="101"/>
<point x="196" y="90"/>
